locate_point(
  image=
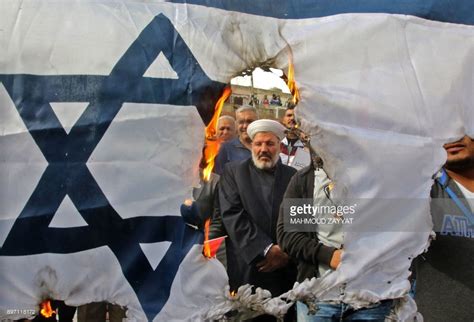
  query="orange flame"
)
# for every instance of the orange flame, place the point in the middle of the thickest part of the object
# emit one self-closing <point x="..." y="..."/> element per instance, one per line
<point x="212" y="144"/>
<point x="46" y="309"/>
<point x="206" y="249"/>
<point x="210" y="153"/>
<point x="292" y="83"/>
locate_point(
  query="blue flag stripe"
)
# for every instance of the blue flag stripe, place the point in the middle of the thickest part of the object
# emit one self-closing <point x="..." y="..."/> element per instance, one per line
<point x="454" y="11"/>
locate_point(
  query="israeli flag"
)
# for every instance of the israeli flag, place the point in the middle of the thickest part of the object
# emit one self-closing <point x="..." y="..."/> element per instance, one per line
<point x="102" y="110"/>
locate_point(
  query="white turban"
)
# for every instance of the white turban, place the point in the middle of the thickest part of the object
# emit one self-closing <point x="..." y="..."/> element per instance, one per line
<point x="265" y="125"/>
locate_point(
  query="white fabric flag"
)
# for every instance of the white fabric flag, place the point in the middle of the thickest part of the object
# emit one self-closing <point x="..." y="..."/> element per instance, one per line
<point x="103" y="106"/>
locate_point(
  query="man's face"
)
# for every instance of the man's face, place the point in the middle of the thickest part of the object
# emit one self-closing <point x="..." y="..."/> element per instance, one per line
<point x="460" y="154"/>
<point x="226" y="130"/>
<point x="243" y="120"/>
<point x="265" y="150"/>
<point x="289" y="119"/>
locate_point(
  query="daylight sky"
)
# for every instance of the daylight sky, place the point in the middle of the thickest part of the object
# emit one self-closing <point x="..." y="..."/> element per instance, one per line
<point x="262" y="79"/>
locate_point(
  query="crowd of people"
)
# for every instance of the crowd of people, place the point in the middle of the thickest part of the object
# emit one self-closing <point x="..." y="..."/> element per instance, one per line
<point x="262" y="162"/>
<point x="275" y="100"/>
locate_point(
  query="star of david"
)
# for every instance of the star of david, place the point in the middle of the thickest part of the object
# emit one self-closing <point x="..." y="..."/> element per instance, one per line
<point x="67" y="154"/>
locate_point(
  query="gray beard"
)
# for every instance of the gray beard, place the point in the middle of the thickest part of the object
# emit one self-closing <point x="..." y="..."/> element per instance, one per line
<point x="265" y="165"/>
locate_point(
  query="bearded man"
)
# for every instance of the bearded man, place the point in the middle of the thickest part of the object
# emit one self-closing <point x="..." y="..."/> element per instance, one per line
<point x="445" y="275"/>
<point x="250" y="193"/>
<point x="293" y="152"/>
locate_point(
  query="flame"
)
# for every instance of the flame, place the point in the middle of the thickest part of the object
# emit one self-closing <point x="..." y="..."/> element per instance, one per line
<point x="212" y="144"/>
<point x="210" y="152"/>
<point x="206" y="248"/>
<point x="291" y="82"/>
<point x="46" y="309"/>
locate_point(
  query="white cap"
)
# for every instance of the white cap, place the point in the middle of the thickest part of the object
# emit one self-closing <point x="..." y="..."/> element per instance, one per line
<point x="265" y="125"/>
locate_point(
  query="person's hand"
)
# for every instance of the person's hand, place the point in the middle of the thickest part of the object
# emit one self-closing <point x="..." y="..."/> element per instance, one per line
<point x="275" y="258"/>
<point x="335" y="259"/>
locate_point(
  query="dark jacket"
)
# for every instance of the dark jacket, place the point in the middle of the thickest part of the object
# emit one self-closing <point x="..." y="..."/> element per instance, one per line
<point x="445" y="274"/>
<point x="206" y="198"/>
<point x="303" y="246"/>
<point x="251" y="226"/>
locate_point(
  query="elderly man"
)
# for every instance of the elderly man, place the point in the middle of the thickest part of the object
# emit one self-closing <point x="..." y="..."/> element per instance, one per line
<point x="226" y="128"/>
<point x="445" y="275"/>
<point x="250" y="193"/>
<point x="293" y="152"/>
<point x="239" y="148"/>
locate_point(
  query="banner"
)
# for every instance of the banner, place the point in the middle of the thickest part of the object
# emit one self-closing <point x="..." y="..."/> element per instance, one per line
<point x="103" y="105"/>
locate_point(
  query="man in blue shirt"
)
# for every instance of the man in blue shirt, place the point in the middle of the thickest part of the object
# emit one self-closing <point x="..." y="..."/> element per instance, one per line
<point x="239" y="148"/>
